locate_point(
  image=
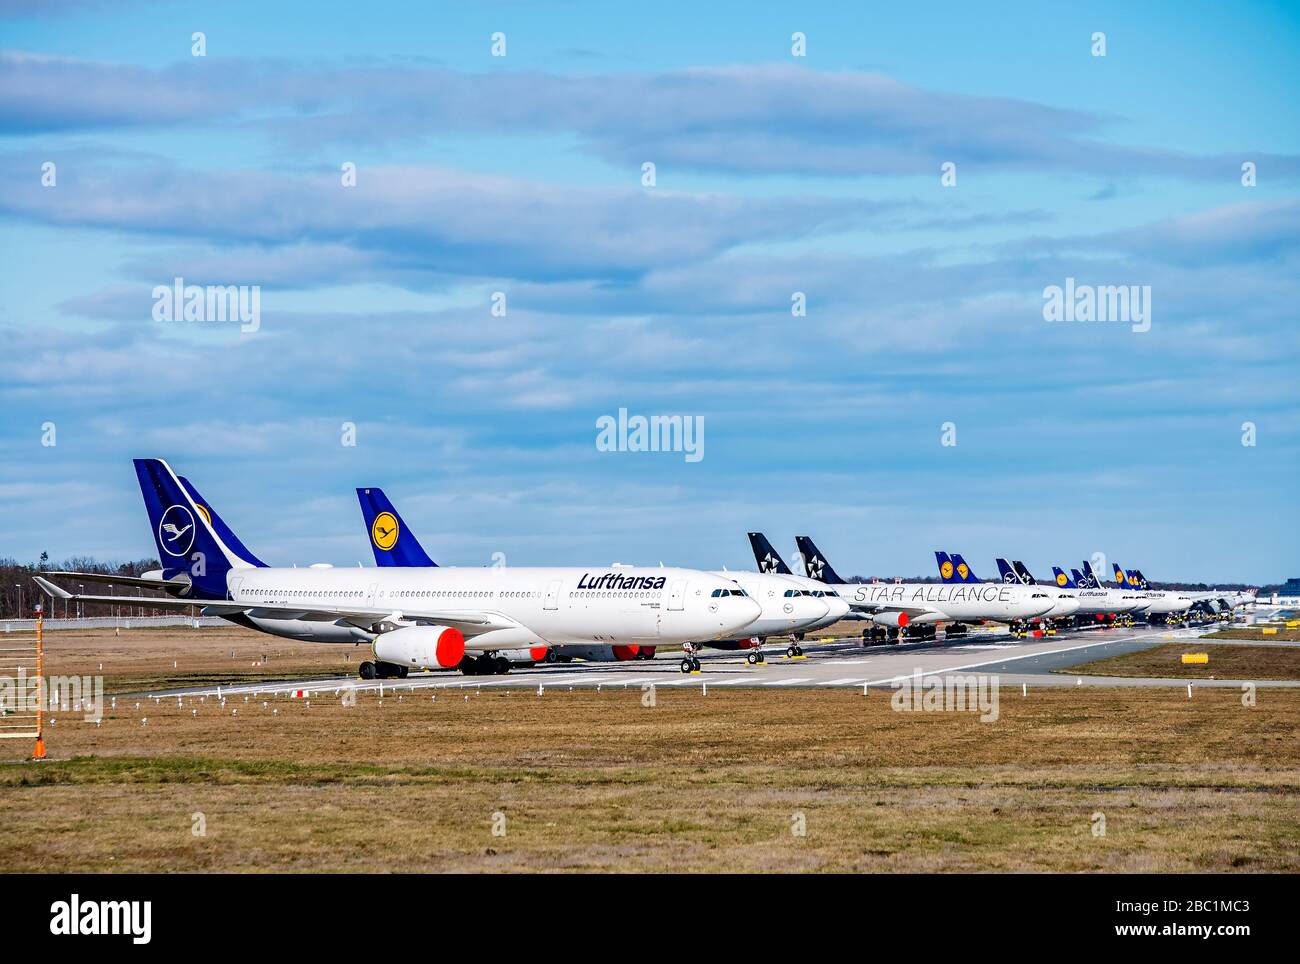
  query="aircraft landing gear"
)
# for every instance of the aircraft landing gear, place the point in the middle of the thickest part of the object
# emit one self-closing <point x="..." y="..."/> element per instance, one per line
<point x="381" y="670"/>
<point x="754" y="657"/>
<point x="793" y="651"/>
<point x="487" y="664"/>
<point x="690" y="662"/>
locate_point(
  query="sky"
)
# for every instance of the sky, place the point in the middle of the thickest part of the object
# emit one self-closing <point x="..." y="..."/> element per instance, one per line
<point x="923" y="401"/>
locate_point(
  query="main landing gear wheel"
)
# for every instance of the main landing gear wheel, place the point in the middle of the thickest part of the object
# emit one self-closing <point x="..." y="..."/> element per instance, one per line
<point x="793" y="650"/>
<point x="501" y="665"/>
<point x="690" y="664"/>
<point x="754" y="657"/>
<point x="367" y="670"/>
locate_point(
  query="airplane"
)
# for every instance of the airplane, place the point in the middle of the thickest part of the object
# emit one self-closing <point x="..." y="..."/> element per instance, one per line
<point x="784" y="608"/>
<point x="1128" y="601"/>
<point x="1065" y="598"/>
<point x="1159" y="602"/>
<point x="770" y="561"/>
<point x="424" y="618"/>
<point x="954" y="570"/>
<point x="1094" y="600"/>
<point x="894" y="606"/>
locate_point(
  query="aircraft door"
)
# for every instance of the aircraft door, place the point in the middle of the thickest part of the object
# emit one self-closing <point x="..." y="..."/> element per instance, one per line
<point x="677" y="594"/>
<point x="552" y="596"/>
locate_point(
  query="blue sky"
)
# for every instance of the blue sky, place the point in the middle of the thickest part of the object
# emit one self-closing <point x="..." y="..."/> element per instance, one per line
<point x="775" y="174"/>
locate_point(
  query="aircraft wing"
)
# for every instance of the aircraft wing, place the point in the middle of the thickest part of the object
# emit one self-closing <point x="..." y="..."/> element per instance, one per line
<point x="471" y="623"/>
<point x="141" y="582"/>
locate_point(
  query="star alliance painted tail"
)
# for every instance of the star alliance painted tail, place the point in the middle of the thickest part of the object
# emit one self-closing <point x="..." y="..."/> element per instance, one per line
<point x="814" y="563"/>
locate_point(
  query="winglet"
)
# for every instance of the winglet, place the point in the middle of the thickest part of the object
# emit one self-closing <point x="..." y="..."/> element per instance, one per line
<point x="51" y="590"/>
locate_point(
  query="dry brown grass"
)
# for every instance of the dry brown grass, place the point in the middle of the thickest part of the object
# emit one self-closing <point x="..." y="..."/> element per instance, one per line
<point x="1257" y="632"/>
<point x="139" y="659"/>
<point x="593" y="781"/>
<point x="1227" y="661"/>
<point x="597" y="781"/>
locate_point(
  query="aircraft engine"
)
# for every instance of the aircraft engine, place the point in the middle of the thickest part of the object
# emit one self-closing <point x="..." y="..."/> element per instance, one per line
<point x="891" y="619"/>
<point x="430" y="647"/>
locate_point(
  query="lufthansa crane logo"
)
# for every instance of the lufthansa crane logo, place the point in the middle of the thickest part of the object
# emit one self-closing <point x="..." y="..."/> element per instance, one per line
<point x="384" y="530"/>
<point x="963" y="570"/>
<point x="176" y="531"/>
<point x="1060" y="579"/>
<point x="946" y="570"/>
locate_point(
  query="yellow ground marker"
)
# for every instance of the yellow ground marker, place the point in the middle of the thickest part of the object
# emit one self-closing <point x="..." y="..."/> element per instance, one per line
<point x="1192" y="658"/>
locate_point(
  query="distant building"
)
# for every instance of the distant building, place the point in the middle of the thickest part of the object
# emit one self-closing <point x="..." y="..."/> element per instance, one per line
<point x="1289" y="593"/>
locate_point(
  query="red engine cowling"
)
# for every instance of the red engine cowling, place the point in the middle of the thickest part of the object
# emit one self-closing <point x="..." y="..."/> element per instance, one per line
<point x="625" y="653"/>
<point x="424" y="647"/>
<point x="891" y="619"/>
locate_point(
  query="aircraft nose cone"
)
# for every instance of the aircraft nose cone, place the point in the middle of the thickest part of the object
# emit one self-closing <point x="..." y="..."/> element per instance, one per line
<point x="837" y="608"/>
<point x="813" y="609"/>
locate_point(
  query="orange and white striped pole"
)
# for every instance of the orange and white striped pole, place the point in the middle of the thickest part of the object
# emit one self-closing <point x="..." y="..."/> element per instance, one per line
<point x="39" y="752"/>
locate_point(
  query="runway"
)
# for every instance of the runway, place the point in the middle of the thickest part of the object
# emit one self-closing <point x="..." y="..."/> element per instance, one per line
<point x="841" y="663"/>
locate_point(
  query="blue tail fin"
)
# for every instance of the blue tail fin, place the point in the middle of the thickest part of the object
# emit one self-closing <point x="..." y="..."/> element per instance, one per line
<point x="187" y="544"/>
<point x="946" y="568"/>
<point x="1121" y="579"/>
<point x="1006" y="572"/>
<point x="1062" y="580"/>
<point x="1087" y="579"/>
<point x="1141" y="579"/>
<point x="1023" y="574"/>
<point x="222" y="530"/>
<point x="814" y="563"/>
<point x="768" y="559"/>
<point x="964" y="573"/>
<point x="391" y="539"/>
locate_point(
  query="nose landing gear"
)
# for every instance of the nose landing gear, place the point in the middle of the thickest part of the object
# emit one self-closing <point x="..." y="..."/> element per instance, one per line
<point x="690" y="662"/>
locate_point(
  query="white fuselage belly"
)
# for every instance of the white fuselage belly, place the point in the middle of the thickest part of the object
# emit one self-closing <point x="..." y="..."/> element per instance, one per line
<point x="554" y="606"/>
<point x="996" y="601"/>
<point x="1093" y="601"/>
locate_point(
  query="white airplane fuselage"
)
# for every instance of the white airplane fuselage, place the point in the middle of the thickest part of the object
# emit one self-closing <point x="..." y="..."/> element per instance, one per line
<point x="785" y="607"/>
<point x="994" y="601"/>
<point x="836" y="606"/>
<point x="553" y="606"/>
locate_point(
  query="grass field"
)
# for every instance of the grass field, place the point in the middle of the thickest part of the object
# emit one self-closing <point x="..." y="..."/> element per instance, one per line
<point x="589" y="781"/>
<point x="1283" y="633"/>
<point x="1227" y="661"/>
